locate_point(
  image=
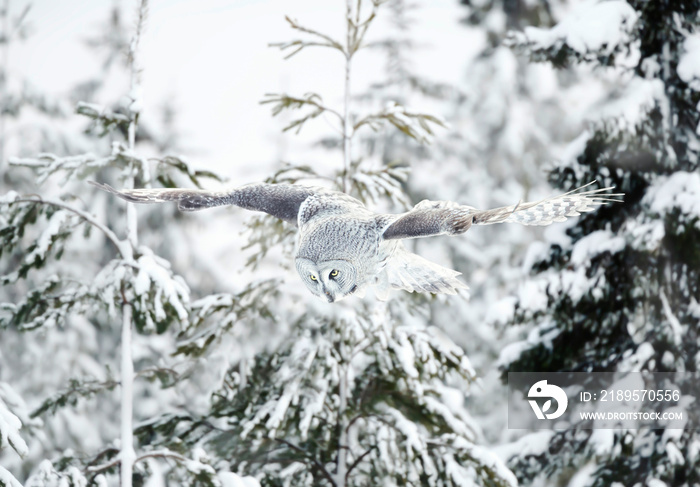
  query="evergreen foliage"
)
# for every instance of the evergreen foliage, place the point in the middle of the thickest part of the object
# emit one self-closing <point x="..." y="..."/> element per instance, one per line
<point x="345" y="396"/>
<point x="619" y="290"/>
<point x="353" y="397"/>
<point x="124" y="361"/>
<point x="62" y="265"/>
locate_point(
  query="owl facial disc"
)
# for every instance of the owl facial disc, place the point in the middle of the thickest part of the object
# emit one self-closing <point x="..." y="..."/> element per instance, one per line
<point x="330" y="280"/>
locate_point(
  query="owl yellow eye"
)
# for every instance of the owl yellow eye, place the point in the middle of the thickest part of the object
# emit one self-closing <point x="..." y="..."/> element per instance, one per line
<point x="313" y="278"/>
<point x="334" y="273"/>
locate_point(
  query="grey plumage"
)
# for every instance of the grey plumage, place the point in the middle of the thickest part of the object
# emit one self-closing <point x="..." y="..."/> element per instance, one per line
<point x="342" y="247"/>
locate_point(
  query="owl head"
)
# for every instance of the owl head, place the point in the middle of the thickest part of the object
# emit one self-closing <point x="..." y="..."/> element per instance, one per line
<point x="331" y="280"/>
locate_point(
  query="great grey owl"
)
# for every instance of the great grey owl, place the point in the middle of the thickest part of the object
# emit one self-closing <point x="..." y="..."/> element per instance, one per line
<point x="342" y="247"/>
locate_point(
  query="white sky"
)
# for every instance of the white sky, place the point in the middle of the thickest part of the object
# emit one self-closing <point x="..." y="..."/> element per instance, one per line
<point x="212" y="59"/>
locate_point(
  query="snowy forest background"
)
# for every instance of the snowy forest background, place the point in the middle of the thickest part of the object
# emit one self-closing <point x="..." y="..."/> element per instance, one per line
<point x="189" y="337"/>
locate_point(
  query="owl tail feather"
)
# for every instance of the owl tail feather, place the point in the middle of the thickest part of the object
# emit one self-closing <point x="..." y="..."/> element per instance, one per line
<point x="413" y="273"/>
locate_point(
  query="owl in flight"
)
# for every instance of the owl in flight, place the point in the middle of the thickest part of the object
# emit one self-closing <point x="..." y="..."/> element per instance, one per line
<point x="342" y="247"/>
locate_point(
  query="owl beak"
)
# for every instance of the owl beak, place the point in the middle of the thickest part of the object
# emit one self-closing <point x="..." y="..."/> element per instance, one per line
<point x="329" y="297"/>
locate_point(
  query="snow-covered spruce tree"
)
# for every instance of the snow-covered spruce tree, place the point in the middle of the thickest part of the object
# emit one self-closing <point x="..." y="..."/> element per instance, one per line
<point x="72" y="301"/>
<point x="506" y="119"/>
<point x="19" y="97"/>
<point x="505" y="131"/>
<point x="166" y="230"/>
<point x="20" y="101"/>
<point x="353" y="393"/>
<point x="619" y="289"/>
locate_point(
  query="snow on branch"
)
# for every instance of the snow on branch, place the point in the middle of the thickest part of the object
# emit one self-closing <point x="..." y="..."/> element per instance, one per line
<point x="47" y="164"/>
<point x="230" y="479"/>
<point x="197" y="470"/>
<point x="678" y="192"/>
<point x="49" y="304"/>
<point x="102" y="117"/>
<point x="592" y="32"/>
<point x="158" y="297"/>
<point x="47" y="476"/>
<point x="25" y="210"/>
<point x="387" y="181"/>
<point x="79" y="166"/>
<point x="164" y="295"/>
<point x="675" y="331"/>
<point x="7" y="479"/>
<point x="50" y="241"/>
<point x="289" y="402"/>
<point x="409" y="447"/>
<point x="215" y="315"/>
<point x="163" y="453"/>
<point x="9" y="431"/>
<point x="84" y="165"/>
<point x="689" y="64"/>
<point x="76" y="389"/>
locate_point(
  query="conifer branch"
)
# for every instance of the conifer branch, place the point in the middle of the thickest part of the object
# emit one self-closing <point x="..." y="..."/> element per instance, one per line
<point x="316" y="463"/>
<point x="155" y="371"/>
<point x="301" y="44"/>
<point x="284" y="101"/>
<point x="77" y="388"/>
<point x="47" y="164"/>
<point x="152" y="454"/>
<point x="121" y="248"/>
<point x="104" y="466"/>
<point x="415" y="125"/>
<point x="161" y="454"/>
<point x="357" y="462"/>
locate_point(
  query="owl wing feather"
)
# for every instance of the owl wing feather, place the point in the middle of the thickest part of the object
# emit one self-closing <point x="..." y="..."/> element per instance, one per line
<point x="430" y="218"/>
<point x="413" y="273"/>
<point x="279" y="200"/>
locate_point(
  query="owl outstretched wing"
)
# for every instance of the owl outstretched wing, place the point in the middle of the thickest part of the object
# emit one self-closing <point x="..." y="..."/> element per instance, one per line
<point x="279" y="200"/>
<point x="430" y="218"/>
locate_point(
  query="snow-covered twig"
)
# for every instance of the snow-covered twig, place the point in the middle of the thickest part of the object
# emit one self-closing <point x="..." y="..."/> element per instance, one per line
<point x="156" y="371"/>
<point x="675" y="325"/>
<point x="316" y="463"/>
<point x="6" y="478"/>
<point x="357" y="462"/>
<point x="347" y="123"/>
<point x="121" y="248"/>
<point x="151" y="454"/>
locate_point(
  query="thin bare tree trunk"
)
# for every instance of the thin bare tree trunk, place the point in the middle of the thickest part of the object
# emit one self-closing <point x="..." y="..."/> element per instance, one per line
<point x="128" y="454"/>
<point x="347" y="122"/>
<point x="342" y="467"/>
<point x="3" y="76"/>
